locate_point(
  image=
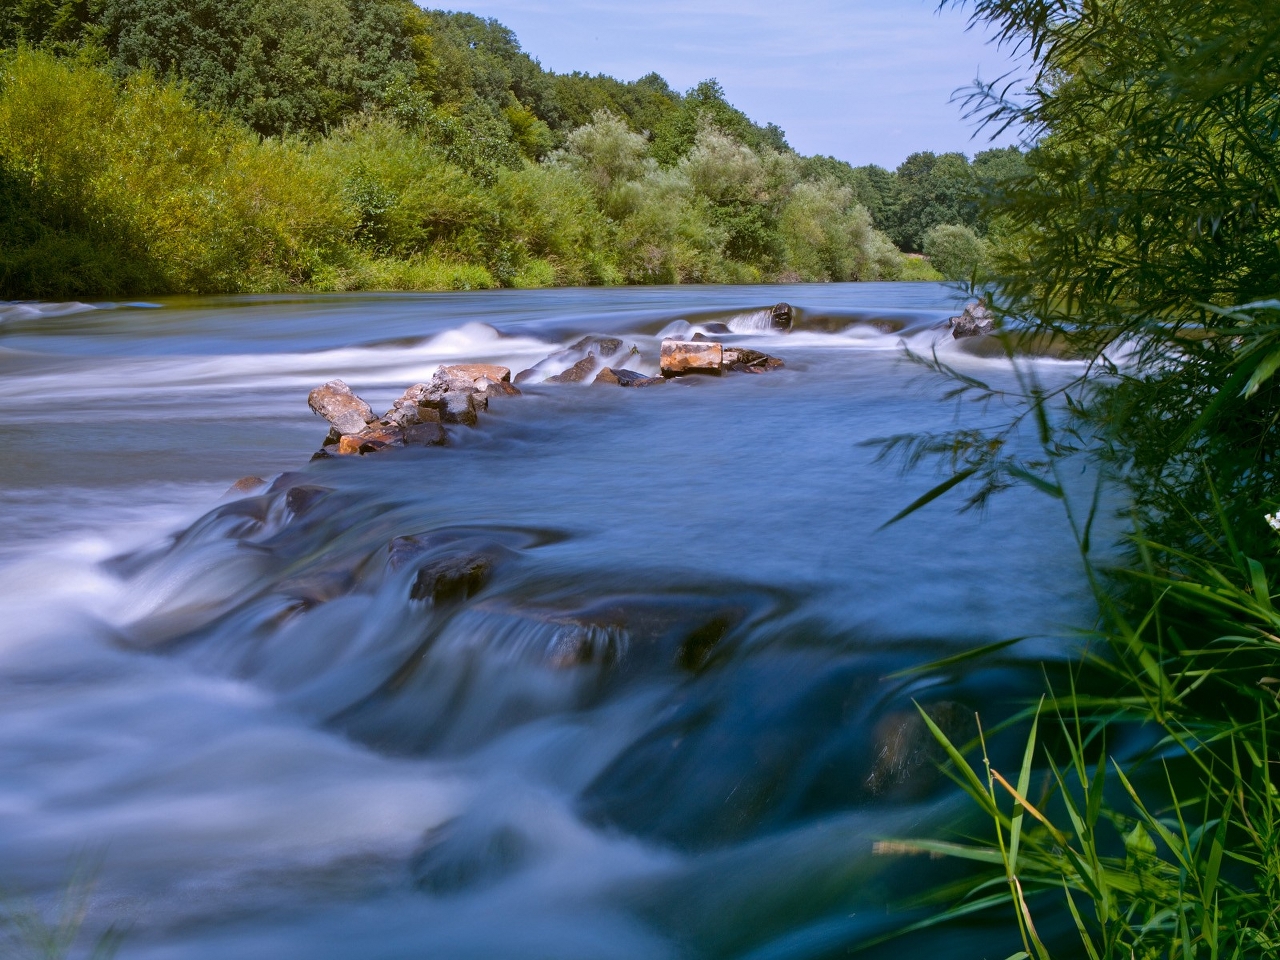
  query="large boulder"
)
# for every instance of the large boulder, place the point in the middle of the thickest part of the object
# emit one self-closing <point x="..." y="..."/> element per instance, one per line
<point x="336" y="402"/>
<point x="975" y="321"/>
<point x="686" y="356"/>
<point x="625" y="378"/>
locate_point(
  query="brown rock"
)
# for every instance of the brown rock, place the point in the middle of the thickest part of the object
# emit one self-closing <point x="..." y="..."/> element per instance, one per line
<point x="625" y="378"/>
<point x="496" y="388"/>
<point x="526" y="375"/>
<point x="336" y="403"/>
<point x="429" y="434"/>
<point x="371" y="440"/>
<point x="474" y="371"/>
<point x="244" y="486"/>
<point x="685" y="356"/>
<point x="452" y="579"/>
<point x="577" y="373"/>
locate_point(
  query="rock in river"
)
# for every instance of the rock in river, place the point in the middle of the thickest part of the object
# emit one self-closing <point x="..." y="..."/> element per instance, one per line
<point x="781" y="316"/>
<point x="975" y="321"/>
<point x="336" y="402"/>
<point x="577" y="373"/>
<point x="687" y="356"/>
<point x="625" y="378"/>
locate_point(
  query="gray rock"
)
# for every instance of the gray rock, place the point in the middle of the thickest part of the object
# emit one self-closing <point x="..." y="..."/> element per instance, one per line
<point x="460" y="406"/>
<point x="975" y="321"/>
<point x="336" y="402"/>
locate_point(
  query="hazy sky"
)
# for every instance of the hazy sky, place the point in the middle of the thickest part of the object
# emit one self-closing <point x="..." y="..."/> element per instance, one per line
<point x="868" y="81"/>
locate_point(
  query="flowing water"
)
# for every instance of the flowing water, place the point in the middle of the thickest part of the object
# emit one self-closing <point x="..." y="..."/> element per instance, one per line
<point x="668" y="720"/>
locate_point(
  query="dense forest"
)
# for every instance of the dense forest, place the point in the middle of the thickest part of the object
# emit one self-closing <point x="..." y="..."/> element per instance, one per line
<point x="151" y="146"/>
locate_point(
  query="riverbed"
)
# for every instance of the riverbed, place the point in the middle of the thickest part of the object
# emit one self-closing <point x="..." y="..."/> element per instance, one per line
<point x="668" y="719"/>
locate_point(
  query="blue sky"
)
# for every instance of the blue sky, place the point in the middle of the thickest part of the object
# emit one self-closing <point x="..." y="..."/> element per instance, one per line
<point x="868" y="81"/>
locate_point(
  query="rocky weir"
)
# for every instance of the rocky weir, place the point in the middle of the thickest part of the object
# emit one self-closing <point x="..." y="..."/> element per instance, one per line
<point x="459" y="393"/>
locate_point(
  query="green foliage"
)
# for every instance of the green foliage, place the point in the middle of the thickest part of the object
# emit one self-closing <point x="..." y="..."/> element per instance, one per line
<point x="1141" y="234"/>
<point x="955" y="251"/>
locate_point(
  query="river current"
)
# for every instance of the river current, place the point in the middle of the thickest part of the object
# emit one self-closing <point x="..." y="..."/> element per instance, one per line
<point x="671" y="718"/>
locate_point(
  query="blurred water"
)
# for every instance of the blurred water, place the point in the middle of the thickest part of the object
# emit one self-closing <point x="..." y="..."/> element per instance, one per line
<point x="660" y="727"/>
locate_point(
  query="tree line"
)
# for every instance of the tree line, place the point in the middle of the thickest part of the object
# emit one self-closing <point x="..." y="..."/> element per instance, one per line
<point x="221" y="145"/>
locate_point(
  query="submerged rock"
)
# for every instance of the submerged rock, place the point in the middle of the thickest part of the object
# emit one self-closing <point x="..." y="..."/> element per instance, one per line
<point x="602" y="346"/>
<point x="687" y="356"/>
<point x="577" y="373"/>
<point x="245" y="485"/>
<point x="625" y="378"/>
<point x="452" y="579"/>
<point x="907" y="756"/>
<point x="336" y="402"/>
<point x="975" y="321"/>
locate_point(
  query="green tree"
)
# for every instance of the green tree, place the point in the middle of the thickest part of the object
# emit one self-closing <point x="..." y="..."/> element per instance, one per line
<point x="955" y="251"/>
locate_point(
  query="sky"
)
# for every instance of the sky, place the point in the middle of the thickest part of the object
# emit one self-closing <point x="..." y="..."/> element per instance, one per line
<point x="867" y="81"/>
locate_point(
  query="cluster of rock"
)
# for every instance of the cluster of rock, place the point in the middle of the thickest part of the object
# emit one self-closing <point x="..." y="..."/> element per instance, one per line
<point x="457" y="394"/>
<point x="975" y="321"/>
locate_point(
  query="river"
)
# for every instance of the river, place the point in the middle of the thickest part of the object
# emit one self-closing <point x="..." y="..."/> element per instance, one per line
<point x="659" y="728"/>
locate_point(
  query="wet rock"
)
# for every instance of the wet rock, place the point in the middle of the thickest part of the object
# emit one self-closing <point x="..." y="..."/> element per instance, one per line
<point x="496" y="388"/>
<point x="905" y="753"/>
<point x="577" y="373"/>
<point x="371" y="440"/>
<point x="524" y="376"/>
<point x="452" y="579"/>
<point x="244" y="486"/>
<point x="460" y="406"/>
<point x="336" y="402"/>
<point x="413" y="407"/>
<point x="302" y="498"/>
<point x="455" y="857"/>
<point x="685" y="356"/>
<point x="428" y="434"/>
<point x="741" y="360"/>
<point x="700" y="338"/>
<point x="601" y="346"/>
<point x="476" y="371"/>
<point x="781" y="316"/>
<point x="625" y="378"/>
<point x="715" y="326"/>
<point x="975" y="321"/>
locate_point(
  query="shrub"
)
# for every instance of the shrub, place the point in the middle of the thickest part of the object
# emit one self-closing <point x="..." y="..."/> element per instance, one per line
<point x="955" y="251"/>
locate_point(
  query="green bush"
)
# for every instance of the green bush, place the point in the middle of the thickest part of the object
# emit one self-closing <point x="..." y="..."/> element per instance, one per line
<point x="955" y="251"/>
